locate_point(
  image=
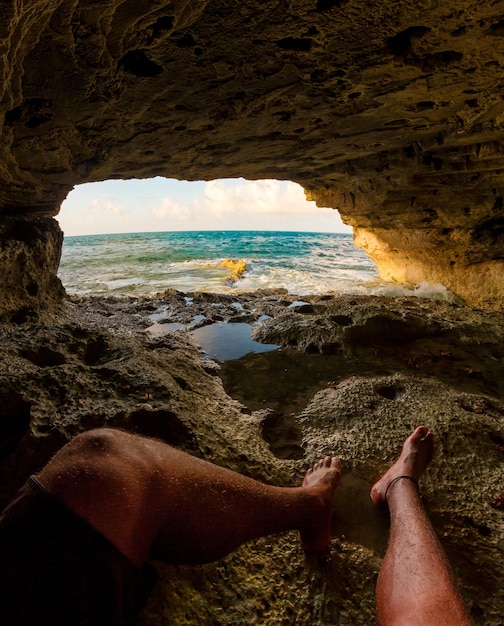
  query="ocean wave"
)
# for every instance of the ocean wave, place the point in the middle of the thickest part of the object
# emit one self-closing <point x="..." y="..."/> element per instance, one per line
<point x="144" y="264"/>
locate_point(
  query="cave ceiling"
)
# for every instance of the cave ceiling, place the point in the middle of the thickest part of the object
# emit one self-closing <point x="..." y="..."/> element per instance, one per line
<point x="391" y="112"/>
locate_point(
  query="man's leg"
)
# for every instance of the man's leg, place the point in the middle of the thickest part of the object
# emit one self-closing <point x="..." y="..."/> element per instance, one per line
<point x="150" y="499"/>
<point x="415" y="585"/>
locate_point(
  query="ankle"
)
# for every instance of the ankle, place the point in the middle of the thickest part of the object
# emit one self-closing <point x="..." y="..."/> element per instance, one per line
<point x="393" y="482"/>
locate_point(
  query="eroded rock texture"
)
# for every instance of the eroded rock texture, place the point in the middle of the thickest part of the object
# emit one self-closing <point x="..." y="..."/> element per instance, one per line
<point x="391" y="112"/>
<point x="355" y="375"/>
<point x="30" y="251"/>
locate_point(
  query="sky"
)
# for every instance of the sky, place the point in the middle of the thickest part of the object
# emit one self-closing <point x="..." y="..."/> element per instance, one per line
<point x="161" y="204"/>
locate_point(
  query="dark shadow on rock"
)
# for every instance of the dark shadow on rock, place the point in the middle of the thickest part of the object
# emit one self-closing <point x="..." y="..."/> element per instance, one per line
<point x="283" y="435"/>
<point x="391" y="392"/>
<point x="14" y="420"/>
<point x="164" y="425"/>
<point x="43" y="356"/>
<point x="384" y="329"/>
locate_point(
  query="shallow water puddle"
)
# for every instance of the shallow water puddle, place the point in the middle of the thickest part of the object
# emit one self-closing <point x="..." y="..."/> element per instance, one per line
<point x="159" y="315"/>
<point x="225" y="341"/>
<point x="296" y="303"/>
<point x="158" y="329"/>
<point x="161" y="329"/>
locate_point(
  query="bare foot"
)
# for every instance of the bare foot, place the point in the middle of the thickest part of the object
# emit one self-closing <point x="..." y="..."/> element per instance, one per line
<point x="413" y="461"/>
<point x="321" y="480"/>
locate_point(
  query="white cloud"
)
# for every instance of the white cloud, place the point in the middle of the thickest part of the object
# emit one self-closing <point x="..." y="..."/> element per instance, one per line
<point x="172" y="209"/>
<point x="260" y="197"/>
<point x="238" y="204"/>
<point x="100" y="207"/>
<point x="233" y="202"/>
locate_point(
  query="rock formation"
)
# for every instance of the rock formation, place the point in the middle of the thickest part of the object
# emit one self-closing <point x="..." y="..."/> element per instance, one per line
<point x="391" y="112"/>
<point x="353" y="378"/>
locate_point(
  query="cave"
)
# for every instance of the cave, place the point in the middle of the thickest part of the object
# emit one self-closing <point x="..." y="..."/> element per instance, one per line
<point x="389" y="112"/>
<point x="392" y="113"/>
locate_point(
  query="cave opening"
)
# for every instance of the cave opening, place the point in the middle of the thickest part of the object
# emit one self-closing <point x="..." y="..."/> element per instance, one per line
<point x="141" y="237"/>
<point x="160" y="204"/>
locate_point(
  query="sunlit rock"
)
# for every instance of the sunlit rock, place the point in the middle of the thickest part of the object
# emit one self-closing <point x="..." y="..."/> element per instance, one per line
<point x="390" y="112"/>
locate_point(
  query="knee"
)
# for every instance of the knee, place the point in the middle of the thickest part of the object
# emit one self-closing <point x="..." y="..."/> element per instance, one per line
<point x="93" y="446"/>
<point x="90" y="457"/>
<point x="99" y="441"/>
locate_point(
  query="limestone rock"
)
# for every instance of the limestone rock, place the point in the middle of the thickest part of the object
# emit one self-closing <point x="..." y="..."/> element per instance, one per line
<point x="30" y="251"/>
<point x="400" y="362"/>
<point x="391" y="112"/>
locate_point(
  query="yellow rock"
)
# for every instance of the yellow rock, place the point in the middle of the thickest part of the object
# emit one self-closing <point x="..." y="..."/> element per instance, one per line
<point x="237" y="265"/>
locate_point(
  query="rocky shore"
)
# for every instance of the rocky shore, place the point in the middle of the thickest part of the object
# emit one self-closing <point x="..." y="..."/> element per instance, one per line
<point x="348" y="375"/>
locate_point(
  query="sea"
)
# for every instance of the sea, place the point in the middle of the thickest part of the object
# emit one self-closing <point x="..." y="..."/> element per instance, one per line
<point x="145" y="264"/>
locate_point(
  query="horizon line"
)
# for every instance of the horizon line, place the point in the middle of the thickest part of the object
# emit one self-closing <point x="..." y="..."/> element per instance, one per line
<point x="206" y="230"/>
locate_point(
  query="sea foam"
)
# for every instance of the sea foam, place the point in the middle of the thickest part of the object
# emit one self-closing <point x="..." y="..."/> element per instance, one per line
<point x="143" y="264"/>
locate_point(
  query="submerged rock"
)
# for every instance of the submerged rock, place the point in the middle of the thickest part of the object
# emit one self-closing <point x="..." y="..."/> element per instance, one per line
<point x="237" y="266"/>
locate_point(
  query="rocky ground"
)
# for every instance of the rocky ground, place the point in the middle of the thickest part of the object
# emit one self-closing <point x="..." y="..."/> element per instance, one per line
<point x="352" y="377"/>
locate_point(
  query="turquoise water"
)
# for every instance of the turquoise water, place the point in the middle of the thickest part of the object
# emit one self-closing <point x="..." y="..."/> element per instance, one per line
<point x="139" y="264"/>
<point x="143" y="264"/>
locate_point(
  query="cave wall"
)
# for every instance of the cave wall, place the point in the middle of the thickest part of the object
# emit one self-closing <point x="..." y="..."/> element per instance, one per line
<point x="30" y="252"/>
<point x="391" y="112"/>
